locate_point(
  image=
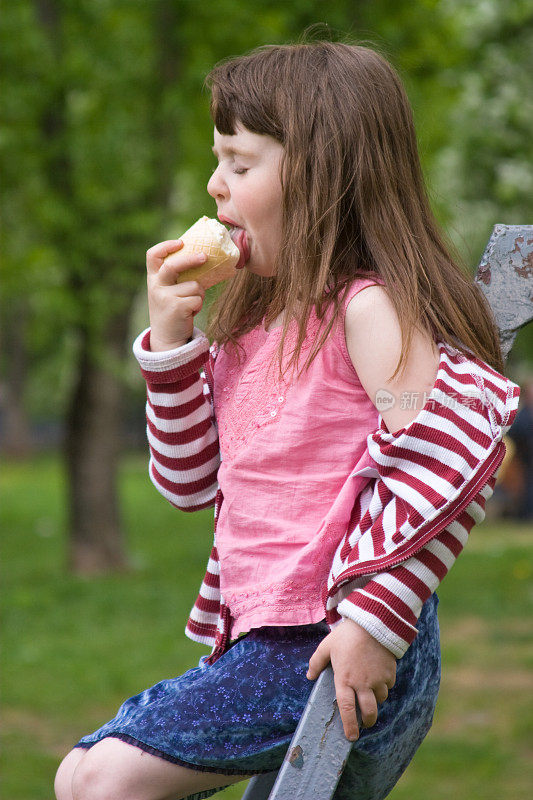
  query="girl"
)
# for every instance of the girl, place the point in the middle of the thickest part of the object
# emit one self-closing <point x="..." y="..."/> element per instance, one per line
<point x="347" y="428"/>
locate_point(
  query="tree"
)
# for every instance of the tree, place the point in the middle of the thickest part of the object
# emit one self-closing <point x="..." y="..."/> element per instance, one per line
<point x="99" y="79"/>
<point x="112" y="107"/>
<point x="106" y="136"/>
<point x="22" y="193"/>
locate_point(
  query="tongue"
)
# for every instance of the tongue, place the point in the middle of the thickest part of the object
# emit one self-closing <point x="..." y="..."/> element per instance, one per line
<point x="239" y="237"/>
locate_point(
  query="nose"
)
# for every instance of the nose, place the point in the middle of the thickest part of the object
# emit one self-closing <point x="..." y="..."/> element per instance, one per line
<point x="216" y="186"/>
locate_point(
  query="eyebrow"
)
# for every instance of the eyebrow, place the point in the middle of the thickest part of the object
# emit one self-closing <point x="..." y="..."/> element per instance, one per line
<point x="231" y="151"/>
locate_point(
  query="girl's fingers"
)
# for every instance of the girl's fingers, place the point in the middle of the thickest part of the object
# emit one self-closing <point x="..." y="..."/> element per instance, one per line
<point x="348" y="700"/>
<point x="368" y="707"/>
<point x="318" y="662"/>
<point x="188" y="290"/>
<point x="346" y="704"/>
<point x="169" y="271"/>
<point x="192" y="305"/>
<point x="381" y="692"/>
<point x="157" y="254"/>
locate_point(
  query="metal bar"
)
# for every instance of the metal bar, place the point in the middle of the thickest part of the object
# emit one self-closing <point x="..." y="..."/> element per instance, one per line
<point x="260" y="786"/>
<point x="505" y="276"/>
<point x="318" y="751"/>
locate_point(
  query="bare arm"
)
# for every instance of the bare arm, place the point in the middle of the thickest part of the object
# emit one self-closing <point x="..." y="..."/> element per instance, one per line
<point x="373" y="339"/>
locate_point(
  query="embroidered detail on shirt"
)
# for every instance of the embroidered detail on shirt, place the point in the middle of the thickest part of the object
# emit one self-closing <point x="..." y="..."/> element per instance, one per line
<point x="252" y="393"/>
<point x="278" y="596"/>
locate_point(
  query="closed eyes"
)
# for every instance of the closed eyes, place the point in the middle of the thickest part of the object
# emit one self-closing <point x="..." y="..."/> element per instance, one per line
<point x="235" y="170"/>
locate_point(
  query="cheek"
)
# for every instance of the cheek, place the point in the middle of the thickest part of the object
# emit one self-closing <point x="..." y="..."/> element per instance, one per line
<point x="272" y="206"/>
<point x="261" y="206"/>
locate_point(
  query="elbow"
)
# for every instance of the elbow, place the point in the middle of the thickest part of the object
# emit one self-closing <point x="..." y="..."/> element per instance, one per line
<point x="189" y="509"/>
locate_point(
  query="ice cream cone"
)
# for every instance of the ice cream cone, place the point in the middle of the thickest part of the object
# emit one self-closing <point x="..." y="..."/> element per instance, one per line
<point x="210" y="237"/>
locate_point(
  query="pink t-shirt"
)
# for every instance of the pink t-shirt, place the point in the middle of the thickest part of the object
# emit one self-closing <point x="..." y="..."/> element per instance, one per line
<point x="287" y="449"/>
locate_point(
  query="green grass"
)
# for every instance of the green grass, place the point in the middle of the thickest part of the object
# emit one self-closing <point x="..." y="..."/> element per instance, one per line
<point x="74" y="648"/>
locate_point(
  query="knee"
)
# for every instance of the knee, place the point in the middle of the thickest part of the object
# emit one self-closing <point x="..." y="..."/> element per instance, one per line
<point x="105" y="773"/>
<point x="89" y="784"/>
<point x="63" y="779"/>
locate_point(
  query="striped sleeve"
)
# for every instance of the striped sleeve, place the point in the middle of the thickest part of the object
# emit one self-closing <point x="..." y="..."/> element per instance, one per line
<point x="388" y="606"/>
<point x="182" y="434"/>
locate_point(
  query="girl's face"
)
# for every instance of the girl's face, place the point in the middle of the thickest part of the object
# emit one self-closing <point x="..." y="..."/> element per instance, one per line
<point x="247" y="188"/>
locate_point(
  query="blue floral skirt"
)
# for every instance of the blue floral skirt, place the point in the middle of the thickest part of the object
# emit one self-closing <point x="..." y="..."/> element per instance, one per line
<point x="238" y="715"/>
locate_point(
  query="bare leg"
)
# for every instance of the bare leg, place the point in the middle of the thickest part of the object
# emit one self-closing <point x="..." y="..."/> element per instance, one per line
<point x="115" y="770"/>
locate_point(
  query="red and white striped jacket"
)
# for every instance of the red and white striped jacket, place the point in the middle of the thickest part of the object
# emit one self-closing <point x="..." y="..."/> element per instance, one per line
<point x="412" y="499"/>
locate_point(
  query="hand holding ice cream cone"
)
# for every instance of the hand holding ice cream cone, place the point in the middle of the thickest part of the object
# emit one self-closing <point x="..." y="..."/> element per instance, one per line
<point x="210" y="237"/>
<point x="179" y="272"/>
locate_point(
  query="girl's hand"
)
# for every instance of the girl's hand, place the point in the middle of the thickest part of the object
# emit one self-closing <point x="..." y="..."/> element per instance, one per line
<point x="172" y="305"/>
<point x="362" y="668"/>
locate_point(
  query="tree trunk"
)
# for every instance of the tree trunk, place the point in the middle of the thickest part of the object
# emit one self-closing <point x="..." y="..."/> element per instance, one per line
<point x="93" y="445"/>
<point x="16" y="434"/>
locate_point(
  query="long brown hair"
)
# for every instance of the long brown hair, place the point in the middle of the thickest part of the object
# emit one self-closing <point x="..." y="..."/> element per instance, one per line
<point x="353" y="199"/>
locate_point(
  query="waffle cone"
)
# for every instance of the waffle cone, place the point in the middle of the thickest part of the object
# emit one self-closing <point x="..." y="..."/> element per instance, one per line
<point x="210" y="237"/>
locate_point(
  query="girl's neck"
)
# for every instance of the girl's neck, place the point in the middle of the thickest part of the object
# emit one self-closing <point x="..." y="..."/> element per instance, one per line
<point x="276" y="323"/>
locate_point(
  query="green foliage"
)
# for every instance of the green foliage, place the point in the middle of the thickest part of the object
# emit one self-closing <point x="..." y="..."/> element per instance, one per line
<point x="106" y="135"/>
<point x="486" y="165"/>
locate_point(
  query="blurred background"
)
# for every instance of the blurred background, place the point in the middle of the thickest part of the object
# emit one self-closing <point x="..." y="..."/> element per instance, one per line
<point x="105" y="138"/>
